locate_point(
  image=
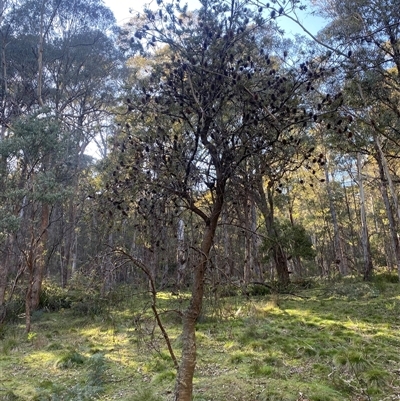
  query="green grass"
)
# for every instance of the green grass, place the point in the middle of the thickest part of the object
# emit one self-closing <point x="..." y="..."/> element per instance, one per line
<point x="338" y="342"/>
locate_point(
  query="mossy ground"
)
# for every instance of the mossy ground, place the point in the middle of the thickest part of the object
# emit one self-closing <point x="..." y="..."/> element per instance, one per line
<point x="339" y="341"/>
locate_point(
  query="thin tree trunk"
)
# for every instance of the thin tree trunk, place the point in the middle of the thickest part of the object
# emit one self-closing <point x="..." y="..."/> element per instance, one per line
<point x="30" y="266"/>
<point x="340" y="259"/>
<point x="3" y="168"/>
<point x="351" y="222"/>
<point x="298" y="266"/>
<point x="227" y="246"/>
<point x="71" y="235"/>
<point x="278" y="253"/>
<point x="181" y="253"/>
<point x="266" y="207"/>
<point x="40" y="57"/>
<point x="39" y="263"/>
<point x="252" y="267"/>
<point x="4" y="269"/>
<point x="368" y="268"/>
<point x="184" y="382"/>
<point x="389" y="212"/>
<point x="4" y="263"/>
<point x="388" y="177"/>
<point x="255" y="241"/>
<point x="248" y="249"/>
<point x="107" y="267"/>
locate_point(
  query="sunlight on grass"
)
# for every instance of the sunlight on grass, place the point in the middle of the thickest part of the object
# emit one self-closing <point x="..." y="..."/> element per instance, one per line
<point x="257" y="349"/>
<point x="40" y="359"/>
<point x="164" y="295"/>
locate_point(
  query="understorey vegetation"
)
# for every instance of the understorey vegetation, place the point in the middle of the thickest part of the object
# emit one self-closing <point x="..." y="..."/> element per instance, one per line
<point x="331" y="341"/>
<point x="199" y="204"/>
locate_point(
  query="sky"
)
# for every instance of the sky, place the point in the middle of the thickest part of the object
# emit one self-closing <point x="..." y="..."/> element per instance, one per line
<point x="121" y="8"/>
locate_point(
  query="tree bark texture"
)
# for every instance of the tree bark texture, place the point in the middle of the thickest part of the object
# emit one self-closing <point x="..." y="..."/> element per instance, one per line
<point x="184" y="382"/>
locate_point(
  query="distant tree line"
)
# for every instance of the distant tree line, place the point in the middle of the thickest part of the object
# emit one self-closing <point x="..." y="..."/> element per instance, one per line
<point x="225" y="151"/>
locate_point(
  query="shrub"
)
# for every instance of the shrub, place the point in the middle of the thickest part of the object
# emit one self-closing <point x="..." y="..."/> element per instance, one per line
<point x="70" y="359"/>
<point x="10" y="396"/>
<point x="258" y="369"/>
<point x="13" y="310"/>
<point x="386" y="277"/>
<point x="228" y="290"/>
<point x="259" y="290"/>
<point x="53" y="297"/>
<point x="90" y="306"/>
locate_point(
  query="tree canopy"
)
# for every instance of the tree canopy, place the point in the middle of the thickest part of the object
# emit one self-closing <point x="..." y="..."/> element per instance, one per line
<point x="230" y="153"/>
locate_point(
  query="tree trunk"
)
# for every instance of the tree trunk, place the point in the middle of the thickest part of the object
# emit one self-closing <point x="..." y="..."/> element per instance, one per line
<point x="368" y="268"/>
<point x="354" y="237"/>
<point x="184" y="381"/>
<point x="248" y="256"/>
<point x="298" y="266"/>
<point x="40" y="57"/>
<point x="3" y="173"/>
<point x="386" y="174"/>
<point x="4" y="261"/>
<point x="30" y="266"/>
<point x="281" y="265"/>
<point x="279" y="256"/>
<point x="39" y="263"/>
<point x="386" y="179"/>
<point x="228" y="260"/>
<point x="340" y="258"/>
<point x="255" y="242"/>
<point x="181" y="253"/>
<point x="107" y="268"/>
<point x="252" y="268"/>
<point x="389" y="212"/>
<point x="4" y="268"/>
<point x="266" y="207"/>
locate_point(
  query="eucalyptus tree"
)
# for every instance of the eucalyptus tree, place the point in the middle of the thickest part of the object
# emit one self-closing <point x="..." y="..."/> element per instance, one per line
<point x="366" y="35"/>
<point x="62" y="65"/>
<point x="211" y="99"/>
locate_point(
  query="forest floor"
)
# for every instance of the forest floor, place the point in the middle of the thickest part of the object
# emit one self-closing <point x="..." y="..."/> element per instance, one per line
<point x="333" y="341"/>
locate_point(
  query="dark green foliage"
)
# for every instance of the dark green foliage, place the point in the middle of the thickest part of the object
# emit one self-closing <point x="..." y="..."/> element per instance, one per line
<point x="260" y="369"/>
<point x="71" y="359"/>
<point x="10" y="396"/>
<point x="293" y="238"/>
<point x="97" y="368"/>
<point x="386" y="277"/>
<point x="89" y="307"/>
<point x="260" y="290"/>
<point x="54" y="298"/>
<point x="14" y="308"/>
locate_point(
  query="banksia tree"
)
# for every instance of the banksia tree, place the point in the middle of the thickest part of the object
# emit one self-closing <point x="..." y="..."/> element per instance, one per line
<point x="213" y="95"/>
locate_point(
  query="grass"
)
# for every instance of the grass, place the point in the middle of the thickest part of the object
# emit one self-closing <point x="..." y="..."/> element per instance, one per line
<point x="338" y="342"/>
